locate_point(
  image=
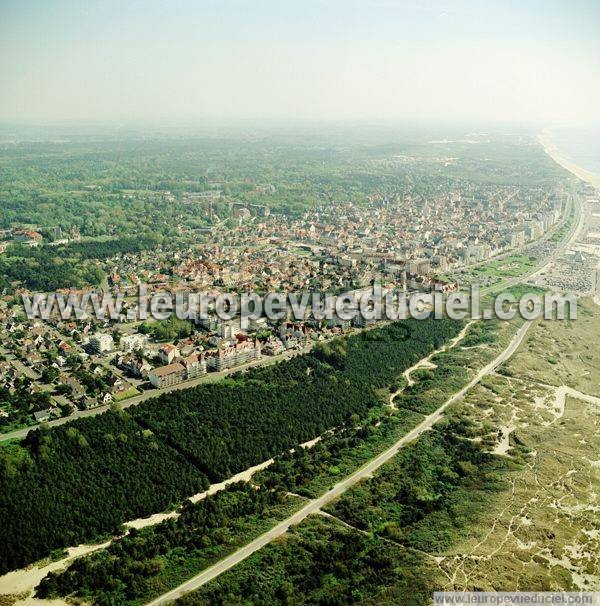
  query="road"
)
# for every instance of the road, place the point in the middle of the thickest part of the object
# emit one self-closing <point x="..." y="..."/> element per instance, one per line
<point x="569" y="240"/>
<point x="578" y="224"/>
<point x="18" y="434"/>
<point x="315" y="505"/>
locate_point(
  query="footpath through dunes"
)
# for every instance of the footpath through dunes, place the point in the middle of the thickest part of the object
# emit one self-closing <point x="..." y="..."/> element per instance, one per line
<point x="26" y="580"/>
<point x="367" y="470"/>
<point x="22" y="582"/>
<point x="148" y="459"/>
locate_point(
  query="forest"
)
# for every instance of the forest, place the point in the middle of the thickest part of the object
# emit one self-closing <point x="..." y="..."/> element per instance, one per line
<point x="163" y="450"/>
<point x="131" y="567"/>
<point x="81" y="480"/>
<point x="47" y="268"/>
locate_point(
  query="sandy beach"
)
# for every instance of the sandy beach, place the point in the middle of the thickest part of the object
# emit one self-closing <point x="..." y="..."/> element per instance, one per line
<point x="551" y="149"/>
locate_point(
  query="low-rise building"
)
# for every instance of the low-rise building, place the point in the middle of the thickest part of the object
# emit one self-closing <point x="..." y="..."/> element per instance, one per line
<point x="167" y="353"/>
<point x="136" y="366"/>
<point x="168" y="375"/>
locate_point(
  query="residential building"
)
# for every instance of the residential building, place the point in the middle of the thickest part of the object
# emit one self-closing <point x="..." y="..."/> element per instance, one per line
<point x="168" y="375"/>
<point x="102" y="343"/>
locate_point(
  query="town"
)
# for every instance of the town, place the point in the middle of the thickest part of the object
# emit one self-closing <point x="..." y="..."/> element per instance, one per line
<point x="406" y="242"/>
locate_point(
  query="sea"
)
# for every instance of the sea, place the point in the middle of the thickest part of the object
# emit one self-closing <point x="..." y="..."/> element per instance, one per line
<point x="580" y="145"/>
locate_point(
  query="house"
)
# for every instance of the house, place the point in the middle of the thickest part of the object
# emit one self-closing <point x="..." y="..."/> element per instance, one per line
<point x="164" y="376"/>
<point x="42" y="415"/>
<point x="87" y="402"/>
<point x="167" y="353"/>
<point x="28" y="237"/>
<point x="77" y="389"/>
<point x="135" y="366"/>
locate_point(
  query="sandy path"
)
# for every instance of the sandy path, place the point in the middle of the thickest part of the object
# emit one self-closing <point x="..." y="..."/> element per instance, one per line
<point x="25" y="580"/>
<point x="365" y="471"/>
<point x="427" y="363"/>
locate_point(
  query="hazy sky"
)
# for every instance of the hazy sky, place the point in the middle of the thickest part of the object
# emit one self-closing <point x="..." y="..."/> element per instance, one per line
<point x="285" y="59"/>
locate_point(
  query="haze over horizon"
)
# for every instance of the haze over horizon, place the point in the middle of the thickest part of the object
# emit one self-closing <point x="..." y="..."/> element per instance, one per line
<point x="313" y="60"/>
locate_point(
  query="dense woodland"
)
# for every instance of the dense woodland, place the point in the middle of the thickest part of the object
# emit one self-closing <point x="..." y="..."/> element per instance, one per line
<point x="82" y="480"/>
<point x="126" y="570"/>
<point x="55" y="491"/>
<point x="49" y="268"/>
<point x="322" y="562"/>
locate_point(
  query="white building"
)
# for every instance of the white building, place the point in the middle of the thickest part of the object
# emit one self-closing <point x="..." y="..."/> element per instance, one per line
<point x="167" y="353"/>
<point x="102" y="343"/>
<point x="133" y="342"/>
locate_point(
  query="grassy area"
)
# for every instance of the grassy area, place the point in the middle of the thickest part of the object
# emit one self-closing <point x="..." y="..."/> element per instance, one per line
<point x="502" y="495"/>
<point x="559" y="352"/>
<point x="542" y="534"/>
<point x="129" y="393"/>
<point x="510" y="267"/>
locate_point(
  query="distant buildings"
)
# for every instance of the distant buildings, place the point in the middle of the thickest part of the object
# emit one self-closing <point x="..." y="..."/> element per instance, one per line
<point x="29" y="237"/>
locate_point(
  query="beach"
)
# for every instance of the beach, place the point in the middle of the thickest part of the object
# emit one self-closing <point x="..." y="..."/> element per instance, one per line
<point x="551" y="149"/>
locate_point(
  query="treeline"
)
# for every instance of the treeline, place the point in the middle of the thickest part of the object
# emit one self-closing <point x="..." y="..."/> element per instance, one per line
<point x="130" y="568"/>
<point x="48" y="268"/>
<point x="87" y="477"/>
<point x="44" y="273"/>
<point x="82" y="480"/>
<point x="104" y="249"/>
<point x="310" y="471"/>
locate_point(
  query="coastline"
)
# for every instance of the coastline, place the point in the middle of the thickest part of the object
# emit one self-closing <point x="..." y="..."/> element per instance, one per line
<point x="551" y="149"/>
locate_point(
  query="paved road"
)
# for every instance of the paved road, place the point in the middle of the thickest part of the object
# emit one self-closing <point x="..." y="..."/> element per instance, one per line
<point x="316" y="504"/>
<point x="153" y="393"/>
<point x="569" y="240"/>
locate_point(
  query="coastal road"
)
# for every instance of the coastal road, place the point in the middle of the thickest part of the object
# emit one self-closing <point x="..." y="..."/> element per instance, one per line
<point x="315" y="505"/>
<point x="571" y="237"/>
<point x="569" y="240"/>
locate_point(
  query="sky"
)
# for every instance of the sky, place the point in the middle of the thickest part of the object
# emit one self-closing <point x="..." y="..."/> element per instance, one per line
<point x="524" y="61"/>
